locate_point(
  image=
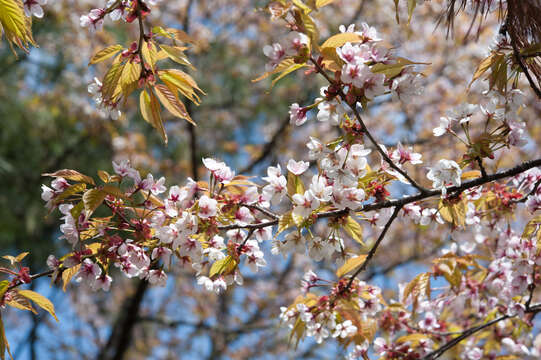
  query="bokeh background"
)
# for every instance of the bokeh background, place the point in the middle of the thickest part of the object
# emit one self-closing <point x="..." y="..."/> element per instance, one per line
<point x="48" y="122"/>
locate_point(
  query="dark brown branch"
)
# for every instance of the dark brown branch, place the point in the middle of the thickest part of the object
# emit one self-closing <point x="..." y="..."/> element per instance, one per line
<point x="481" y="167"/>
<point x="439" y="352"/>
<point x="521" y="63"/>
<point x="467" y="333"/>
<point x="527" y="165"/>
<point x="121" y="334"/>
<point x="268" y="147"/>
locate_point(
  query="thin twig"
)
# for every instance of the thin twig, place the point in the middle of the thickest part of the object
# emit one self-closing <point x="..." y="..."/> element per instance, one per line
<point x="465" y="334"/>
<point x="374" y="248"/>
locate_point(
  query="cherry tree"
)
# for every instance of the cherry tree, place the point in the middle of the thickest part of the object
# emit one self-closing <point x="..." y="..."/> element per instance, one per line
<point x="344" y="198"/>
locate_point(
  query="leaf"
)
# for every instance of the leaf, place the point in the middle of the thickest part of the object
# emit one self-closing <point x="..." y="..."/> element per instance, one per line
<point x="396" y="11"/>
<point x="483" y="67"/>
<point x="156" y="116"/>
<point x="147" y="104"/>
<point x="350" y="265"/>
<point x="69" y="273"/>
<point x="223" y="266"/>
<point x="92" y="199"/>
<point x="150" y="54"/>
<point x="71" y="175"/>
<point x="287" y="71"/>
<point x="331" y="60"/>
<point x="531" y="49"/>
<point x="114" y="191"/>
<point x="104" y="176"/>
<point x="420" y="285"/>
<point x="174" y="34"/>
<point x="468" y="175"/>
<point x="130" y="77"/>
<point x="111" y="80"/>
<point x="19" y="302"/>
<point x="71" y="190"/>
<point x="354" y="230"/>
<point x="322" y="3"/>
<point x="454" y="213"/>
<point x="15" y="259"/>
<point x="284" y="223"/>
<point x="392" y="70"/>
<point x="311" y="29"/>
<point x="77" y="210"/>
<point x="411" y="6"/>
<point x="172" y="103"/>
<point x="105" y="54"/>
<point x="177" y="80"/>
<point x="294" y="184"/>
<point x="15" y="25"/>
<point x="4" y="345"/>
<point x="4" y="286"/>
<point x="284" y="64"/>
<point x="341" y="39"/>
<point x="40" y="301"/>
<point x="413" y="338"/>
<point x="302" y="6"/>
<point x="176" y="54"/>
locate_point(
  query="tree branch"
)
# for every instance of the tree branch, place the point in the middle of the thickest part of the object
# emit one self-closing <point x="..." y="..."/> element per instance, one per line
<point x="408" y="199"/>
<point x="374" y="248"/>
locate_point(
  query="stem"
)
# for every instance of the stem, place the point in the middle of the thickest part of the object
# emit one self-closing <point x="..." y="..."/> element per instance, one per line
<point x="374" y="248"/>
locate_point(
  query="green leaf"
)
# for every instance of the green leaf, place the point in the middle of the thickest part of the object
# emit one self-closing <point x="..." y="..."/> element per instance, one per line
<point x="294" y="184"/>
<point x="71" y="190"/>
<point x="77" y="210"/>
<point x="287" y="71"/>
<point x="483" y="67"/>
<point x="69" y="273"/>
<point x="311" y="29"/>
<point x="92" y="199"/>
<point x="4" y="285"/>
<point x="223" y="266"/>
<point x="4" y="345"/>
<point x="111" y="80"/>
<point x="392" y="70"/>
<point x="350" y="265"/>
<point x="283" y="65"/>
<point x="40" y="301"/>
<point x="177" y="80"/>
<point x="284" y="223"/>
<point x="105" y="54"/>
<point x="354" y="230"/>
<point x="176" y="54"/>
<point x="15" y="25"/>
